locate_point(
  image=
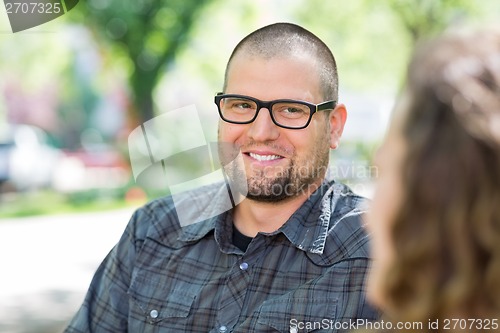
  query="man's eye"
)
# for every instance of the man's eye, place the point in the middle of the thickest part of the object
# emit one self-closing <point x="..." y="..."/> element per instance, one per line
<point x="243" y="105"/>
<point x="293" y="110"/>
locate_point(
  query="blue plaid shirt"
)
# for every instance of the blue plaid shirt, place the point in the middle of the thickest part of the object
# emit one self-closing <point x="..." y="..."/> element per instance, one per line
<point x="161" y="277"/>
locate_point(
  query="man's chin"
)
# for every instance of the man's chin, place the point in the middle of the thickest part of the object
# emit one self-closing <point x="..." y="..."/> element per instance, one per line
<point x="267" y="174"/>
<point x="275" y="192"/>
<point x="272" y="198"/>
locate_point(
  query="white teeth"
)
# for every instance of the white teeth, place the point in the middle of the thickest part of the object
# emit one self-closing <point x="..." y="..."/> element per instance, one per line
<point x="264" y="157"/>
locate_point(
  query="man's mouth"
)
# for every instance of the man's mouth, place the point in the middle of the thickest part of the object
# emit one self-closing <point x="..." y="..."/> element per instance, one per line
<point x="261" y="158"/>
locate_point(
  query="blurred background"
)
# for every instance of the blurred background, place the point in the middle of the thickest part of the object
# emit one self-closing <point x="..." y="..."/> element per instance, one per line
<point x="72" y="90"/>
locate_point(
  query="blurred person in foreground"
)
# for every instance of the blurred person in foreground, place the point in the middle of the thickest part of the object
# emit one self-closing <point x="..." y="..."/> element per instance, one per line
<point x="292" y="254"/>
<point x="435" y="216"/>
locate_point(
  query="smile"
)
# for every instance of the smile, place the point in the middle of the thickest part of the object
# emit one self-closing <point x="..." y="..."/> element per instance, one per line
<point x="264" y="157"/>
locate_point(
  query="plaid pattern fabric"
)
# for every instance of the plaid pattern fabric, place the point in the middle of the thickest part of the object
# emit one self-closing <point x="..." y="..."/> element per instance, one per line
<point x="161" y="277"/>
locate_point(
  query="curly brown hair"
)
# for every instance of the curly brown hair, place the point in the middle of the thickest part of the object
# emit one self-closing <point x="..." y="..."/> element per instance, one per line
<point x="446" y="233"/>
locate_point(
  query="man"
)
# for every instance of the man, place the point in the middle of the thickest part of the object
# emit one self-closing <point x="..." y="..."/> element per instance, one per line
<point x="292" y="255"/>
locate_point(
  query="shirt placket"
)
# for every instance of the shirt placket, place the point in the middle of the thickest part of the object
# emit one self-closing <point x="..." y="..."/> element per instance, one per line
<point x="231" y="304"/>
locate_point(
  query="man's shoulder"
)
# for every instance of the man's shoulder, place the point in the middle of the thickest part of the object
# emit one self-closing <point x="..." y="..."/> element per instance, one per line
<point x="346" y="236"/>
<point x="158" y="214"/>
<point x="165" y="218"/>
<point x="343" y="201"/>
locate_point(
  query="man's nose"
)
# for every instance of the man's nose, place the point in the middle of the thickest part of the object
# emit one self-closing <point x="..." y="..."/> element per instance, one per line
<point x="263" y="128"/>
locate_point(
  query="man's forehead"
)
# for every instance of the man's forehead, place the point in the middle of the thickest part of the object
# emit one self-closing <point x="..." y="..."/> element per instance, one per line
<point x="274" y="78"/>
<point x="302" y="60"/>
<point x="247" y="53"/>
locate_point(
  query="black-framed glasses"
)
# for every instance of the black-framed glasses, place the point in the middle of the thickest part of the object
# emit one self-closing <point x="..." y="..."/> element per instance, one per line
<point x="286" y="113"/>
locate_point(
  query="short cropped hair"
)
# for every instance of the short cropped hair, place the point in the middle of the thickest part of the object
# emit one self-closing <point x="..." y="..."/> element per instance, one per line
<point x="285" y="40"/>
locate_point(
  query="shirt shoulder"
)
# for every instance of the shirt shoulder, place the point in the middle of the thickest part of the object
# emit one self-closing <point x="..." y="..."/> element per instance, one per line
<point x="184" y="216"/>
<point x="345" y="202"/>
<point x="346" y="238"/>
<point x="156" y="219"/>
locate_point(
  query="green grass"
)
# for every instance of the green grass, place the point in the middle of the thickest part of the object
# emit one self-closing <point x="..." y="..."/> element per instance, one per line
<point x="49" y="202"/>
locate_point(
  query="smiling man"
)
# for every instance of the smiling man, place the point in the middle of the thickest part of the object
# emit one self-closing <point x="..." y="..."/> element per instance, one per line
<point x="285" y="144"/>
<point x="292" y="254"/>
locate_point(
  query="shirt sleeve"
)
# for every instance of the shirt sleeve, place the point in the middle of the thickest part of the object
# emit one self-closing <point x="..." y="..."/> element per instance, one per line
<point x="105" y="307"/>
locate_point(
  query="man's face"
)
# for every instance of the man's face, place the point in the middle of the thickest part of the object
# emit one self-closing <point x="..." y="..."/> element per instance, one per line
<point x="278" y="163"/>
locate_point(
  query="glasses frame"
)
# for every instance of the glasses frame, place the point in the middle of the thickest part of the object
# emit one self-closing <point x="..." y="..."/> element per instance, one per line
<point x="328" y="105"/>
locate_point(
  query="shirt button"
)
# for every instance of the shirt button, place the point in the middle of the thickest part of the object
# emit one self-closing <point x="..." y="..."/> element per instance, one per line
<point x="222" y="329"/>
<point x="243" y="266"/>
<point x="153" y="314"/>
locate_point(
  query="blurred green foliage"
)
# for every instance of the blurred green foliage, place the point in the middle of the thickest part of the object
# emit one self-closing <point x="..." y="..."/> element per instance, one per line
<point x="50" y="202"/>
<point x="425" y="18"/>
<point x="147" y="33"/>
<point x="373" y="40"/>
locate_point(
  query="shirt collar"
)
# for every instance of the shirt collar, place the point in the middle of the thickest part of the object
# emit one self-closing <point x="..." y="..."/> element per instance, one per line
<point x="307" y="229"/>
<point x="201" y="210"/>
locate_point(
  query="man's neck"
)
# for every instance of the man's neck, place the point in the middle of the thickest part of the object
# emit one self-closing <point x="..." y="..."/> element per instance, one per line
<point x="252" y="217"/>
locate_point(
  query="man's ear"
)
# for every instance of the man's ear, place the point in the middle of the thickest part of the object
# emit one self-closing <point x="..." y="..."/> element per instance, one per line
<point x="337" y="120"/>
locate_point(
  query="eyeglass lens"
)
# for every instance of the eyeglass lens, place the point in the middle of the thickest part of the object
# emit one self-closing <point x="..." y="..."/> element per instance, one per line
<point x="241" y="110"/>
